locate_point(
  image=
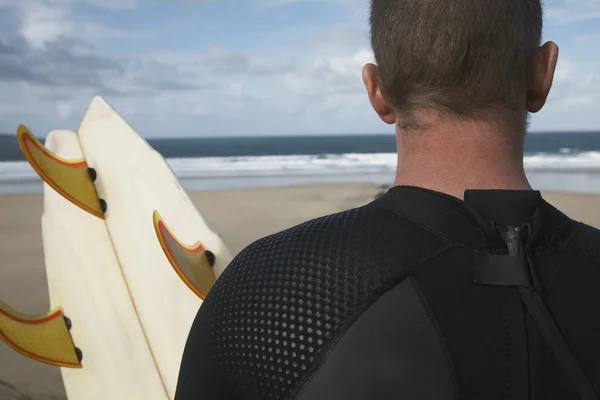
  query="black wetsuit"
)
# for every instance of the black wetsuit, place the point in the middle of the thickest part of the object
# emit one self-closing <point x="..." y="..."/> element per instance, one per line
<point x="414" y="296"/>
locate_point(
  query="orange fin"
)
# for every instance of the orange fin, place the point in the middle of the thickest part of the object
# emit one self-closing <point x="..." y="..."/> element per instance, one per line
<point x="193" y="263"/>
<point x="70" y="178"/>
<point x="43" y="338"/>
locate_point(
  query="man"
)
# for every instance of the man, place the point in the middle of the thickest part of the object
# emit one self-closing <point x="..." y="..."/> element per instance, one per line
<point x="443" y="288"/>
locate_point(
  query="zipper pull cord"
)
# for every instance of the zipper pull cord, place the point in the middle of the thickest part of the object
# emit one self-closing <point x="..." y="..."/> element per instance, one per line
<point x="530" y="295"/>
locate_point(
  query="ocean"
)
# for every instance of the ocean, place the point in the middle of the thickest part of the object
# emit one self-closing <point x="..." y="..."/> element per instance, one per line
<point x="553" y="161"/>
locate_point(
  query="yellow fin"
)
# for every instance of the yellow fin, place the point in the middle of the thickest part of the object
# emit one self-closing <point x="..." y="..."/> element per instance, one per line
<point x="70" y="178"/>
<point x="192" y="263"/>
<point x="43" y="338"/>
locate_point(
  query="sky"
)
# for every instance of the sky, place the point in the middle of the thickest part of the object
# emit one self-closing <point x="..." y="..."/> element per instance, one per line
<point x="235" y="67"/>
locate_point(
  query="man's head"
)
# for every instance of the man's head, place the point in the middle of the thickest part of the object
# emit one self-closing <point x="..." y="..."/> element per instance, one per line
<point x="466" y="59"/>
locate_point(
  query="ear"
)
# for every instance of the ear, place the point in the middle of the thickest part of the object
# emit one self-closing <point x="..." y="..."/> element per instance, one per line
<point x="545" y="65"/>
<point x="381" y="106"/>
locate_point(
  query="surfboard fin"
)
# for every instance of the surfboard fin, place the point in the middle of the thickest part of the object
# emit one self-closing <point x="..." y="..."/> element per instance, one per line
<point x="71" y="178"/>
<point x="193" y="264"/>
<point x="43" y="338"/>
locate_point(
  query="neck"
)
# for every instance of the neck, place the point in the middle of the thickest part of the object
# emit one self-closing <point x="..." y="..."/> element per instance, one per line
<point x="454" y="157"/>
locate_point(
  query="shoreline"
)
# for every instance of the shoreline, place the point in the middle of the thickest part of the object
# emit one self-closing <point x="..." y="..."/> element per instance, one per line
<point x="240" y="216"/>
<point x="546" y="182"/>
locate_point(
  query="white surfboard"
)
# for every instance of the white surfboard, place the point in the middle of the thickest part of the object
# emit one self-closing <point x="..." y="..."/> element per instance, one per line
<point x="85" y="279"/>
<point x="160" y="255"/>
<point x="135" y="181"/>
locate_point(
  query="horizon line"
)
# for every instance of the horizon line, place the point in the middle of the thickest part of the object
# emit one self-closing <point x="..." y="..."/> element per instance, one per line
<point x="303" y="135"/>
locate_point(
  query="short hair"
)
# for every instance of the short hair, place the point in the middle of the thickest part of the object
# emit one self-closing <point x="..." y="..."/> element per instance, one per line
<point x="457" y="57"/>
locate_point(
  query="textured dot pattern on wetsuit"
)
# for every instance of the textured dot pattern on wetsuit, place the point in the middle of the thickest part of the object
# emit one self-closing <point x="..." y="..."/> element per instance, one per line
<point x="278" y="304"/>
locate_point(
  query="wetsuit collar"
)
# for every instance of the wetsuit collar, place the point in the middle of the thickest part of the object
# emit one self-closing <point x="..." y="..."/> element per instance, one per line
<point x="470" y="222"/>
<point x="505" y="207"/>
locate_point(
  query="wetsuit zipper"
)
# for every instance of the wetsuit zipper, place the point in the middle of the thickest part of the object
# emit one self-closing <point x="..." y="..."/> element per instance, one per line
<point x="515" y="238"/>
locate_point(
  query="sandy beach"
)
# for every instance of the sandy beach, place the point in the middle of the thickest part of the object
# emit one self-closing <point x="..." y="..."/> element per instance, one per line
<point x="240" y="216"/>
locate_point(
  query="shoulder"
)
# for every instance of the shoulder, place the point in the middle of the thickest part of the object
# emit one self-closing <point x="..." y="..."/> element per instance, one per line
<point x="586" y="240"/>
<point x="284" y="298"/>
<point x="572" y="235"/>
<point x="362" y="240"/>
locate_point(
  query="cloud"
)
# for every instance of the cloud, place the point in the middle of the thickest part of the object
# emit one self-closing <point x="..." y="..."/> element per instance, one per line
<point x="42" y="23"/>
<point x="59" y="57"/>
<point x="62" y="62"/>
<point x="114" y="4"/>
<point x="588" y="40"/>
<point x="341" y="39"/>
<point x="565" y="77"/>
<point x="325" y="76"/>
<point x="224" y="61"/>
<point x="572" y="88"/>
<point x="48" y="61"/>
<point x="64" y="110"/>
<point x="51" y="61"/>
<point x="283" y="3"/>
<point x="570" y="11"/>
